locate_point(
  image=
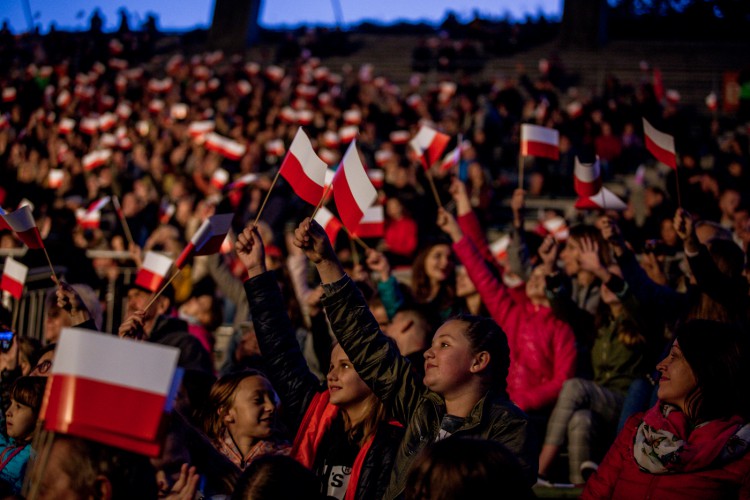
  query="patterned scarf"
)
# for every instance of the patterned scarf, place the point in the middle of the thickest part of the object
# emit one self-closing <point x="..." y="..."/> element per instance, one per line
<point x="665" y="443"/>
<point x="227" y="446"/>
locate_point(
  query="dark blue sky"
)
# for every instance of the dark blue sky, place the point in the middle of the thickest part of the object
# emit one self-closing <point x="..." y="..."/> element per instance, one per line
<point x="187" y="14"/>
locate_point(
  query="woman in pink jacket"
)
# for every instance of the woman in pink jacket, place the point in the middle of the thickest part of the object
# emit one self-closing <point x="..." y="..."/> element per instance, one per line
<point x="693" y="443"/>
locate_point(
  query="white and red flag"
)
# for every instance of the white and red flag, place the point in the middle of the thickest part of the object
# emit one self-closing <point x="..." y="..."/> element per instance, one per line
<point x="219" y="178"/>
<point x="499" y="248"/>
<point x="329" y="223"/>
<point x="242" y="182"/>
<point x="96" y="159"/>
<point x="9" y="94"/>
<point x="55" y="178"/>
<point x="558" y="227"/>
<point x="603" y="200"/>
<point x="429" y="144"/>
<point x="453" y="159"/>
<point x="348" y="133"/>
<point x="111" y="390"/>
<point x="207" y="239"/>
<point x="63" y="99"/>
<point x="89" y="125"/>
<point x="304" y="170"/>
<point x="14" y="278"/>
<point x="587" y="178"/>
<point x="225" y="146"/>
<point x="97" y="205"/>
<point x="372" y="224"/>
<point x="155" y="268"/>
<point x="107" y="121"/>
<point x="66" y="126"/>
<point x="540" y="141"/>
<point x="199" y="129"/>
<point x="22" y="222"/>
<point x="352" y="189"/>
<point x="660" y="145"/>
<point x="399" y="136"/>
<point x="88" y="220"/>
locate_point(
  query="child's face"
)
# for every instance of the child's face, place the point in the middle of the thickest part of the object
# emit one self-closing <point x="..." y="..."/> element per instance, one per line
<point x="449" y="360"/>
<point x="253" y="412"/>
<point x="346" y="387"/>
<point x="19" y="420"/>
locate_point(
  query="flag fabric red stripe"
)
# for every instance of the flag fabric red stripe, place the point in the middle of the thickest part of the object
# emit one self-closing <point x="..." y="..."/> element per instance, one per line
<point x="186" y="253"/>
<point x="12" y="286"/>
<point x="660" y="145"/>
<point x="372" y="224"/>
<point x="3" y="225"/>
<point x="303" y="169"/>
<point x="329" y="222"/>
<point x="149" y="280"/>
<point x="211" y="245"/>
<point x="352" y="189"/>
<point x="22" y="223"/>
<point x="540" y="141"/>
<point x="14" y="277"/>
<point x="587" y="179"/>
<point x="347" y="205"/>
<point x="540" y="149"/>
<point x="106" y="406"/>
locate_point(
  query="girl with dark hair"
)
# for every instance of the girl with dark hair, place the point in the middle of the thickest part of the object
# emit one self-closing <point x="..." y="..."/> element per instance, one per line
<point x="343" y="433"/>
<point x="26" y="397"/>
<point x="693" y="443"/>
<point x="463" y="391"/>
<point x="241" y="418"/>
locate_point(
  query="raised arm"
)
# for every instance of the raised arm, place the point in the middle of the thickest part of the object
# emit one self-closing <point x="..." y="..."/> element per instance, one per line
<point x="283" y="360"/>
<point x="375" y="356"/>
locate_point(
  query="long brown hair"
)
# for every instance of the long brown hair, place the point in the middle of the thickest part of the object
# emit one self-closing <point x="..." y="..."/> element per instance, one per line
<point x="420" y="282"/>
<point x="220" y="400"/>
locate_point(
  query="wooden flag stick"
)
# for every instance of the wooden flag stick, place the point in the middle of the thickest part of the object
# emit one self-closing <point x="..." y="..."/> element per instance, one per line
<point x="320" y="203"/>
<point x="521" y="159"/>
<point x="16" y="310"/>
<point x="54" y="276"/>
<point x="356" y="238"/>
<point x="355" y="253"/>
<point x="156" y="295"/>
<point x="123" y="221"/>
<point x="268" y="194"/>
<point x="677" y="180"/>
<point x="432" y="186"/>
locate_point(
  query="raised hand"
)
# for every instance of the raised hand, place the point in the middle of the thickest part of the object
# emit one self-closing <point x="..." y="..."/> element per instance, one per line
<point x="447" y="223"/>
<point x="312" y="239"/>
<point x="378" y="263"/>
<point x="69" y="300"/>
<point x="548" y="253"/>
<point x="132" y="327"/>
<point x="683" y="226"/>
<point x="611" y="233"/>
<point x="185" y="486"/>
<point x="250" y="251"/>
<point x="458" y="192"/>
<point x="517" y="204"/>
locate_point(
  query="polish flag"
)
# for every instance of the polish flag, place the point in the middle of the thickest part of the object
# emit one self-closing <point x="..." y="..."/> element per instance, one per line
<point x="155" y="268"/>
<point x="242" y="182"/>
<point x="328" y="156"/>
<point x="557" y="227"/>
<point x="107" y="121"/>
<point x="166" y="211"/>
<point x="89" y="125"/>
<point x="199" y="129"/>
<point x="118" y="64"/>
<point x="94" y="391"/>
<point x="124" y="110"/>
<point x="587" y="178"/>
<point x="121" y="83"/>
<point x="329" y="223"/>
<point x="225" y="146"/>
<point x="352" y="117"/>
<point x="88" y="220"/>
<point x="288" y="115"/>
<point x="156" y="106"/>
<point x="252" y="69"/>
<point x="63" y="99"/>
<point x="219" y="178"/>
<point x="305" y="117"/>
<point x="372" y="224"/>
<point x="603" y="200"/>
<point x="66" y="126"/>
<point x="499" y="248"/>
<point x="712" y="101"/>
<point x="377" y="177"/>
<point x="331" y="139"/>
<point x="352" y="189"/>
<point x="275" y="73"/>
<point x="98" y="204"/>
<point x="14" y="277"/>
<point x="414" y="101"/>
<point x="660" y="145"/>
<point x="453" y="159"/>
<point x="9" y="94"/>
<point x="178" y="111"/>
<point x="540" y="141"/>
<point x="160" y="86"/>
<point x="107" y="141"/>
<point x="429" y="145"/>
<point x="275" y="147"/>
<point x="348" y="133"/>
<point x="303" y="169"/>
<point x="399" y="136"/>
<point x="207" y="239"/>
<point x="96" y="159"/>
<point x="382" y="156"/>
<point x="21" y="221"/>
<point x="306" y="91"/>
<point x="244" y="87"/>
<point x="55" y="178"/>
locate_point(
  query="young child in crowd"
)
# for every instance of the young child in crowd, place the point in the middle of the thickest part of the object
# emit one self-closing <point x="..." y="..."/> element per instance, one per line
<point x="241" y="418"/>
<point x="20" y="421"/>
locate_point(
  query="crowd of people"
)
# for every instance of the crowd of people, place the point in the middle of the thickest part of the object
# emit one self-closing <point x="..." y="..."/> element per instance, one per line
<point x="423" y="364"/>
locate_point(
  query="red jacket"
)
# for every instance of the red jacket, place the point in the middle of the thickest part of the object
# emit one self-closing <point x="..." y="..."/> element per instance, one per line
<point x="401" y="236"/>
<point x="542" y="348"/>
<point x="619" y="476"/>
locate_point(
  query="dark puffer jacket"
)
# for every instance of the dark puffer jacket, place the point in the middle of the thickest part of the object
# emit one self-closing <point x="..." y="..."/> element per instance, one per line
<point x="390" y="376"/>
<point x="297" y="386"/>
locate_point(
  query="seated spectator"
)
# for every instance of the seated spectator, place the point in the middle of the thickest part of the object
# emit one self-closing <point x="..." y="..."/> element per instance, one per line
<point x="692" y="443"/>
